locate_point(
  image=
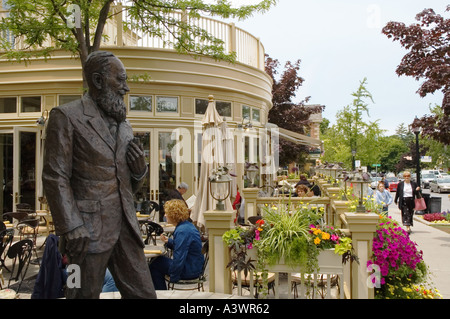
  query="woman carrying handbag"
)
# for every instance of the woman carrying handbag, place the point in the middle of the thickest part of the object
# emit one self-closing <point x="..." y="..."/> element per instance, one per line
<point x="407" y="192"/>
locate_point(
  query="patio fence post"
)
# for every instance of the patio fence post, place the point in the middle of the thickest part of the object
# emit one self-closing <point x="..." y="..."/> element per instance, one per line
<point x="217" y="223"/>
<point x="250" y="195"/>
<point x="341" y="207"/>
<point x="362" y="227"/>
<point x="333" y="193"/>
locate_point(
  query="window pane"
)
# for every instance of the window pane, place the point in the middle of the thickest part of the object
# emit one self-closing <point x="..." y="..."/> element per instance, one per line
<point x="31" y="104"/>
<point x="167" y="104"/>
<point x="8" y="105"/>
<point x="223" y="108"/>
<point x="246" y="112"/>
<point x="255" y="115"/>
<point x="140" y="103"/>
<point x="201" y="106"/>
<point x="63" y="99"/>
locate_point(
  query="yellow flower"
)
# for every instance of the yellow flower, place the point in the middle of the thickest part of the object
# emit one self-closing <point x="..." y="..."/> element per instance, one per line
<point x="317" y="241"/>
<point x="325" y="236"/>
<point x="317" y="231"/>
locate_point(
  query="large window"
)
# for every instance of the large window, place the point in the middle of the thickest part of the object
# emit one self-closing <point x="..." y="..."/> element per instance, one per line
<point x="141" y="103"/>
<point x="63" y="99"/>
<point x="222" y="107"/>
<point x="30" y="104"/>
<point x="167" y="104"/>
<point x="246" y="112"/>
<point x="251" y="113"/>
<point x="8" y="105"/>
<point x="256" y="115"/>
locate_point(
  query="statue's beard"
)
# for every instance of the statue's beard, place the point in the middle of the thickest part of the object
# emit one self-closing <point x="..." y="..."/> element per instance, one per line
<point x="112" y="104"/>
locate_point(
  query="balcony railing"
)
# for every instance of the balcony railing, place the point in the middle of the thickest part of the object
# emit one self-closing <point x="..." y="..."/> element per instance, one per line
<point x="248" y="48"/>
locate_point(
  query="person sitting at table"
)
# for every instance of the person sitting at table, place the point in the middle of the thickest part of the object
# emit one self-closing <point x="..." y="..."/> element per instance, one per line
<point x="303" y="181"/>
<point x="174" y="194"/>
<point x="187" y="261"/>
<point x="303" y="191"/>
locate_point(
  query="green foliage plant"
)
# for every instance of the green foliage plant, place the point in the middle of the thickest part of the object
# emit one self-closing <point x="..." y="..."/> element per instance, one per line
<point x="285" y="234"/>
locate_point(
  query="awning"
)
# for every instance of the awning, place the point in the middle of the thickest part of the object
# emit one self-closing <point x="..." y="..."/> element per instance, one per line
<point x="295" y="137"/>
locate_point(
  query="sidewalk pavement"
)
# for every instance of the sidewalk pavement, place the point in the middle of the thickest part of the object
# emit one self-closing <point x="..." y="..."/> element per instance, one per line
<point x="435" y="245"/>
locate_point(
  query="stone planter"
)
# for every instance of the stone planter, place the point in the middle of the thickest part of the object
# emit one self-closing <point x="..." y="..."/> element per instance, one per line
<point x="330" y="266"/>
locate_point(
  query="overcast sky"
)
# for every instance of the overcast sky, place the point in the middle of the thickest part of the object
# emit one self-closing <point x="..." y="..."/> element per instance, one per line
<point x="339" y="43"/>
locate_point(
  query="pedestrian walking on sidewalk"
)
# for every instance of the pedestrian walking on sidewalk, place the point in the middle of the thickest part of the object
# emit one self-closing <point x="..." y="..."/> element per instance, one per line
<point x="407" y="191"/>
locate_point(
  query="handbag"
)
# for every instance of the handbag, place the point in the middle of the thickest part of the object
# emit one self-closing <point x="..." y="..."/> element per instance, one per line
<point x="420" y="202"/>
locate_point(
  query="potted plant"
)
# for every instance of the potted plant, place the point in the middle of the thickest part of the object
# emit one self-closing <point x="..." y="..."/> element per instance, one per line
<point x="402" y="272"/>
<point x="286" y="237"/>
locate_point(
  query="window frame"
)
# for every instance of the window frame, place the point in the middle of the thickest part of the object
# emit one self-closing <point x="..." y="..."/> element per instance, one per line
<point x="142" y="112"/>
<point x="177" y="113"/>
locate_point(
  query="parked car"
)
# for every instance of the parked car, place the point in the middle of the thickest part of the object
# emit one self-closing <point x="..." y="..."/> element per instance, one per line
<point x="374" y="183"/>
<point x="430" y="171"/>
<point x="425" y="180"/>
<point x="393" y="182"/>
<point x="440" y="185"/>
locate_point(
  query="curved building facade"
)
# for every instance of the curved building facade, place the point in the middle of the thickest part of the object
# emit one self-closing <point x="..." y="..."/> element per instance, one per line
<point x="168" y="96"/>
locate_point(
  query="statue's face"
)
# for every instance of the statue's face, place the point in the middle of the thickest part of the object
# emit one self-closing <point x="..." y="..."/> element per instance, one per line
<point x="117" y="79"/>
<point x="110" y="97"/>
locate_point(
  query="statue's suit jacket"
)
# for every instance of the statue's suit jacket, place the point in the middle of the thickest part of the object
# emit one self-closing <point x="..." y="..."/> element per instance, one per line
<point x="86" y="178"/>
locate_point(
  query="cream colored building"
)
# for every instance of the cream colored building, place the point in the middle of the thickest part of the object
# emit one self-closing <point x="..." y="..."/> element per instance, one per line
<point x="164" y="110"/>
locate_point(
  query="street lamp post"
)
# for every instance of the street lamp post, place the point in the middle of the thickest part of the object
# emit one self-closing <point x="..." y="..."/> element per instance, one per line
<point x="416" y="131"/>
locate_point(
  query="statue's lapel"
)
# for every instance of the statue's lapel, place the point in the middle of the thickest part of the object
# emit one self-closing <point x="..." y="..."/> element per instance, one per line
<point x="124" y="135"/>
<point x="97" y="122"/>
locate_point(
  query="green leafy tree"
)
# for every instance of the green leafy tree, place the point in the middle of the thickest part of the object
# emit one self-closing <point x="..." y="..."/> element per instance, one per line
<point x="352" y="132"/>
<point x="38" y="21"/>
<point x="391" y="150"/>
<point x="428" y="59"/>
<point x="439" y="152"/>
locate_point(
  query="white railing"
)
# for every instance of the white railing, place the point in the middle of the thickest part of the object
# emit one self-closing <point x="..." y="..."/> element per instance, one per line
<point x="248" y="48"/>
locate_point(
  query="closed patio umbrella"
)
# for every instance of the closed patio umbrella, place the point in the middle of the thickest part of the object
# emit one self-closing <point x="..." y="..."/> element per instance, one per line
<point x="228" y="154"/>
<point x="212" y="157"/>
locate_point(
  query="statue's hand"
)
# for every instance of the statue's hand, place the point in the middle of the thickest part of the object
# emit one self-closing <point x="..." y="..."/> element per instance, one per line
<point x="76" y="244"/>
<point x="136" y="159"/>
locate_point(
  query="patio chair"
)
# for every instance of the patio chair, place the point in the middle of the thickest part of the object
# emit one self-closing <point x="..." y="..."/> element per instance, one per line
<point x="153" y="230"/>
<point x="318" y="281"/>
<point x="29" y="229"/>
<point x="20" y="253"/>
<point x="257" y="281"/>
<point x="6" y="239"/>
<point x="196" y="283"/>
<point x="149" y="208"/>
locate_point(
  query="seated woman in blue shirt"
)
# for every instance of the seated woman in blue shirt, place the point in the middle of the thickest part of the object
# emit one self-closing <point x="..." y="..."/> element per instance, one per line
<point x="186" y="244"/>
<point x="383" y="197"/>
